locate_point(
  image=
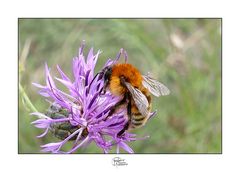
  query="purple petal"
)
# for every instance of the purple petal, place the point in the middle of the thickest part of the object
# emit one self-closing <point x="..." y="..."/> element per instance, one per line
<point x="40" y="115"/>
<point x="67" y="83"/>
<point x="63" y="75"/>
<point x="125" y="147"/>
<point x="51" y="147"/>
<point x="42" y="123"/>
<point x="90" y="56"/>
<point x="43" y="134"/>
<point x="79" y="145"/>
<point x="81" y="47"/>
<point x="49" y="80"/>
<point x="38" y="85"/>
<point x="117" y="150"/>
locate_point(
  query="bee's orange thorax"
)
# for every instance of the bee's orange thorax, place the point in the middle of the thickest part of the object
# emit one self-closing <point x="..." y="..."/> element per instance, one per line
<point x="131" y="75"/>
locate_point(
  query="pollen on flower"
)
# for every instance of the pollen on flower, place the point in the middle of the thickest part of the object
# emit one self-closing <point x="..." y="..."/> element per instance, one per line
<point x="79" y="115"/>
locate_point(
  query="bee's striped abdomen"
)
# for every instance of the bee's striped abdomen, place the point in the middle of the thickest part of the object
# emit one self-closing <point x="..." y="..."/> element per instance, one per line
<point x="137" y="119"/>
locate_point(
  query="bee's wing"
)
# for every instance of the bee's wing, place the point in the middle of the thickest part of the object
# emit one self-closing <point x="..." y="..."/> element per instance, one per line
<point x="154" y="86"/>
<point x="139" y="98"/>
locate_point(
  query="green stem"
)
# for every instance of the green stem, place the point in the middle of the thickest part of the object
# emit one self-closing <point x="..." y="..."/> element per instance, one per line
<point x="26" y="99"/>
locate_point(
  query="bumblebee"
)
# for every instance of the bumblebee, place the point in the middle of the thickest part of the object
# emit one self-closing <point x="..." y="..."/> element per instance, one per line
<point x="125" y="80"/>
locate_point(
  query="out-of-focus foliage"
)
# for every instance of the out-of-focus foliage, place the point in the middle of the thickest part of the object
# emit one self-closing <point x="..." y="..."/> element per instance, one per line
<point x="184" y="54"/>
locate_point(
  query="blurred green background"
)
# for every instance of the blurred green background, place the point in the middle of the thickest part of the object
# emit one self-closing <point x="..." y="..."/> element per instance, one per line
<point x="184" y="54"/>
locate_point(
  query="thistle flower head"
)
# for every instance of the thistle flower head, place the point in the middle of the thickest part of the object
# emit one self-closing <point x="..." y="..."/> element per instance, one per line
<point x="80" y="115"/>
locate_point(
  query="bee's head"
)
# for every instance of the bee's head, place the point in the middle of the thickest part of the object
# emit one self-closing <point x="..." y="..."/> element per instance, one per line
<point x="107" y="72"/>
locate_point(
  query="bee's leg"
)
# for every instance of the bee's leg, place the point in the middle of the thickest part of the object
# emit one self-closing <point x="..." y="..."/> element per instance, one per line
<point x="104" y="88"/>
<point x="129" y="112"/>
<point x="114" y="108"/>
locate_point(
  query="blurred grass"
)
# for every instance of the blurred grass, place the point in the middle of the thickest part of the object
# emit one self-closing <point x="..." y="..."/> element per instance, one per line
<point x="185" y="54"/>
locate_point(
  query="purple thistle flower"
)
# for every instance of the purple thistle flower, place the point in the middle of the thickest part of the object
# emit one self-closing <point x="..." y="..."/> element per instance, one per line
<point x="85" y="109"/>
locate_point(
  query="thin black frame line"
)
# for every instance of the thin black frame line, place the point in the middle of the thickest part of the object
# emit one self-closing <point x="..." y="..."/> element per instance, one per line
<point x="120" y="18"/>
